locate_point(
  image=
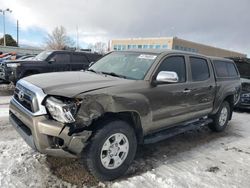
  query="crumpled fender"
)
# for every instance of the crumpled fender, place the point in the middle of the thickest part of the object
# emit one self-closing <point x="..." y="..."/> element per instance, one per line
<point x="94" y="106"/>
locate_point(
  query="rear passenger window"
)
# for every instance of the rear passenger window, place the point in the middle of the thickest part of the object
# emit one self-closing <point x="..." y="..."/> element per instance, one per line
<point x="61" y="58"/>
<point x="225" y="69"/>
<point x="231" y="70"/>
<point x="199" y="69"/>
<point x="79" y="58"/>
<point x="175" y="64"/>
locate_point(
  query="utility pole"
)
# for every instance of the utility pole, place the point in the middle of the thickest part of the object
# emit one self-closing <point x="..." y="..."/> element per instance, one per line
<point x="17" y="33"/>
<point x="77" y="38"/>
<point x="3" y="11"/>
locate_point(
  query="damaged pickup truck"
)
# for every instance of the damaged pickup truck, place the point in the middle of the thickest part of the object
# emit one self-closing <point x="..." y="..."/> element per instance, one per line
<point x="125" y="99"/>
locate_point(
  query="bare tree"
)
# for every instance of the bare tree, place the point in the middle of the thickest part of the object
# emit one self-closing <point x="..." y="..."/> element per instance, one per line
<point x="58" y="39"/>
<point x="99" y="47"/>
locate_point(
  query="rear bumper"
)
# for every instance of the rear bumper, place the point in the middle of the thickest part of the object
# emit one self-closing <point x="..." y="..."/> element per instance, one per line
<point x="46" y="136"/>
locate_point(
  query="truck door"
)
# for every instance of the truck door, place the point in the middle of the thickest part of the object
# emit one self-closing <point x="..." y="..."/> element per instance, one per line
<point x="169" y="102"/>
<point x="59" y="62"/>
<point x="202" y="86"/>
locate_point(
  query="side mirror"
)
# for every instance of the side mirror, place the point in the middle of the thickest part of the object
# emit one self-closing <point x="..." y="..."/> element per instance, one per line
<point x="92" y="63"/>
<point x="167" y="77"/>
<point x="52" y="60"/>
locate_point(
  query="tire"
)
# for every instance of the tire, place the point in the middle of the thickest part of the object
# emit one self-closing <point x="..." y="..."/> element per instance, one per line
<point x="221" y="118"/>
<point x="111" y="150"/>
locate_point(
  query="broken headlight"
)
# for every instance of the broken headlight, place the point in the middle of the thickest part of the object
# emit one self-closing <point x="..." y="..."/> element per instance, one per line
<point x="62" y="110"/>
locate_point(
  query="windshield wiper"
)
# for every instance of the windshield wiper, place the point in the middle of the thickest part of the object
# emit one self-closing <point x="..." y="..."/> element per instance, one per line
<point x="114" y="74"/>
<point x="91" y="70"/>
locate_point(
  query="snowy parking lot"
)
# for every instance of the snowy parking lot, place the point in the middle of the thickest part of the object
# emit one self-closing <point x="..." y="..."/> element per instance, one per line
<point x="198" y="158"/>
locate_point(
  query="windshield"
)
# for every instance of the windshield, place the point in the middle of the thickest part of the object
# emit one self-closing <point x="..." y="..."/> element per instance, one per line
<point x="244" y="69"/>
<point x="42" y="56"/>
<point x="131" y="65"/>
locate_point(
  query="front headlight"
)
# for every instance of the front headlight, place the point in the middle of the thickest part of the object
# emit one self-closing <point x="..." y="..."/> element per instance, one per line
<point x="62" y="111"/>
<point x="13" y="65"/>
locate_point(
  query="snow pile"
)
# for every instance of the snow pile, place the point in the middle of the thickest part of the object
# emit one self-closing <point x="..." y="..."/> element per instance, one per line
<point x="22" y="167"/>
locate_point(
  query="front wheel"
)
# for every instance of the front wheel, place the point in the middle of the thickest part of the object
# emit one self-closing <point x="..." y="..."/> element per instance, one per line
<point x="111" y="150"/>
<point x="221" y="118"/>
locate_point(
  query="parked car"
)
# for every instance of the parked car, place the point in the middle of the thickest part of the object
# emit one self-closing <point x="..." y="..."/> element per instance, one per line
<point x="244" y="69"/>
<point x="46" y="61"/>
<point x="125" y="99"/>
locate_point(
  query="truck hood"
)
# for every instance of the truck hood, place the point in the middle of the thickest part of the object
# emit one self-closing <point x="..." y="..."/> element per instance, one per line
<point x="71" y="84"/>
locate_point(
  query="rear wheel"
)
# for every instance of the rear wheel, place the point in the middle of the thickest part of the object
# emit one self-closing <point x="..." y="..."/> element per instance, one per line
<point x="221" y="118"/>
<point x="111" y="150"/>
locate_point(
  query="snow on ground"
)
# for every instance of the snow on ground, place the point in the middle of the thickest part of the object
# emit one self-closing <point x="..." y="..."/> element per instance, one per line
<point x="197" y="158"/>
<point x="4" y="111"/>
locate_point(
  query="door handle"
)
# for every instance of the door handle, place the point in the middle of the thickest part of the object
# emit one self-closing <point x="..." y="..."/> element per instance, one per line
<point x="186" y="91"/>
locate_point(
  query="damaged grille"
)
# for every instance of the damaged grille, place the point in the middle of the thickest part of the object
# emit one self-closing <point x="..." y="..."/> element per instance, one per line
<point x="26" y="98"/>
<point x="2" y="72"/>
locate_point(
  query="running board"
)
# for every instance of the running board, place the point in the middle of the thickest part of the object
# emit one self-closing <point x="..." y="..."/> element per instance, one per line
<point x="162" y="135"/>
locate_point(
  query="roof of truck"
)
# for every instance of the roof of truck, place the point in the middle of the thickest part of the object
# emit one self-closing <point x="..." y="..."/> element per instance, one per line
<point x="166" y="51"/>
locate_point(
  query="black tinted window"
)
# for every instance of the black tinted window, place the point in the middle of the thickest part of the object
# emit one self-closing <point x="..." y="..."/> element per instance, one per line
<point x="61" y="58"/>
<point x="199" y="69"/>
<point x="175" y="64"/>
<point x="225" y="69"/>
<point x="231" y="70"/>
<point x="79" y="58"/>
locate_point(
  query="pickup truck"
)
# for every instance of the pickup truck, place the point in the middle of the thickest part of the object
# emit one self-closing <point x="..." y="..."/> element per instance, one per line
<point x="46" y="61"/>
<point x="124" y="99"/>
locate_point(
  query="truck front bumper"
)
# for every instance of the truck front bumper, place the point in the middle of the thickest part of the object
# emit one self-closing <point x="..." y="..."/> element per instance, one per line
<point x="47" y="136"/>
<point x="244" y="101"/>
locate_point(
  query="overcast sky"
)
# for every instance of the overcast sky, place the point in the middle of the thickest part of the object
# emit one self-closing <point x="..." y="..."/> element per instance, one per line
<point x="221" y="23"/>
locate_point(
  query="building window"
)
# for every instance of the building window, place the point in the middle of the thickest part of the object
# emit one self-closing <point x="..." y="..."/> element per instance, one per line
<point x="176" y="47"/>
<point x="134" y="46"/>
<point x="123" y="47"/>
<point x="151" y="46"/>
<point x="145" y="46"/>
<point x="139" y="46"/>
<point x="181" y="48"/>
<point x="129" y="46"/>
<point x="185" y="48"/>
<point x="164" y="46"/>
<point x="119" y="47"/>
<point x="157" y="46"/>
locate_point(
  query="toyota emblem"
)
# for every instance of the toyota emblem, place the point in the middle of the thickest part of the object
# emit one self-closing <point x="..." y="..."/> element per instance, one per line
<point x="21" y="95"/>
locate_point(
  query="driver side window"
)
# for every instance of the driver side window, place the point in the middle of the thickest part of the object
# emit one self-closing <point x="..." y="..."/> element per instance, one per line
<point x="175" y="64"/>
